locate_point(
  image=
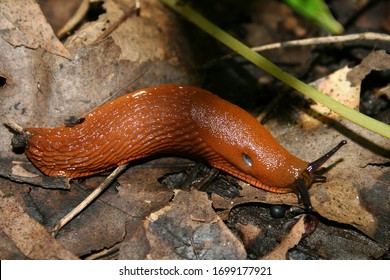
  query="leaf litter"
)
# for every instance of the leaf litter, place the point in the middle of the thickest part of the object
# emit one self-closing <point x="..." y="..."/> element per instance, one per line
<point x="138" y="218"/>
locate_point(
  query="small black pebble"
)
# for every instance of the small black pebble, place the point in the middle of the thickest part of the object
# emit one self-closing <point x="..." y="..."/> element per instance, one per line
<point x="19" y="141"/>
<point x="277" y="211"/>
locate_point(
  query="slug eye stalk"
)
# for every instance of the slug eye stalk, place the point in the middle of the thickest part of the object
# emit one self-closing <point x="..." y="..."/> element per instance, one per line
<point x="304" y="181"/>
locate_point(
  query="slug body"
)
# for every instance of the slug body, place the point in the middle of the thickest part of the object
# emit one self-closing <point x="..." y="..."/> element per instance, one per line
<point x="171" y="119"/>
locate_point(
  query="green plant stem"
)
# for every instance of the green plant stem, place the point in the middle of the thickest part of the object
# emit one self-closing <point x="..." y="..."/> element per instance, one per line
<point x="260" y="61"/>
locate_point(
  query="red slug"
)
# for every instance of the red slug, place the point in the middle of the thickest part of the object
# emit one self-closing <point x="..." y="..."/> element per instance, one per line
<point x="177" y="120"/>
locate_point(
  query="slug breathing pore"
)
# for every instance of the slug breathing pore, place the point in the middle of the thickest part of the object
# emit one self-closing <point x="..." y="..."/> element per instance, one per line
<point x="178" y="120"/>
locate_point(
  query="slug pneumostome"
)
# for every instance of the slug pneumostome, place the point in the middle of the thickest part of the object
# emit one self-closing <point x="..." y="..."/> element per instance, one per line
<point x="176" y="120"/>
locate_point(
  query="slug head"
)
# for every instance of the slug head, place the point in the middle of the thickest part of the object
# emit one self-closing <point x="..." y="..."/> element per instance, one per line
<point x="239" y="145"/>
<point x="308" y="176"/>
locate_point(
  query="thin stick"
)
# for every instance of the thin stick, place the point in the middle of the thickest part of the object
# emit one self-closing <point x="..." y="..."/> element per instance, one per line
<point x="102" y="253"/>
<point x="14" y="126"/>
<point x="89" y="199"/>
<point x="75" y="19"/>
<point x="367" y="36"/>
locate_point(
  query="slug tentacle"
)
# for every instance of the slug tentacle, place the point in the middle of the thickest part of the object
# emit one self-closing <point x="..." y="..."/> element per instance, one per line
<point x="313" y="166"/>
<point x="307" y="178"/>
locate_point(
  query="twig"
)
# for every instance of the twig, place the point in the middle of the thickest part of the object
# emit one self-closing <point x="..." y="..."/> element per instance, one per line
<point x="102" y="253"/>
<point x="89" y="199"/>
<point x="14" y="126"/>
<point x="75" y="19"/>
<point x="367" y="36"/>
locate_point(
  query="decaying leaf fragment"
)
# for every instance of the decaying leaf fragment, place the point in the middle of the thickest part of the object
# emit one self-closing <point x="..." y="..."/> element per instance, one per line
<point x="31" y="238"/>
<point x="15" y="171"/>
<point x="289" y="241"/>
<point x="16" y="30"/>
<point x="337" y="86"/>
<point x="344" y="85"/>
<point x="190" y="229"/>
<point x="376" y="61"/>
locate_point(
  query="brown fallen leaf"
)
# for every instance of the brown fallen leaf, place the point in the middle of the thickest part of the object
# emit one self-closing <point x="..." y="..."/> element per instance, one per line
<point x="250" y="194"/>
<point x="8" y="249"/>
<point x="261" y="233"/>
<point x="173" y="233"/>
<point x="91" y="32"/>
<point x="331" y="242"/>
<point x="44" y="90"/>
<point x="98" y="227"/>
<point x="377" y="60"/>
<point x="288" y="242"/>
<point x="251" y="236"/>
<point x="344" y="85"/>
<point x="31" y="238"/>
<point x="337" y="86"/>
<point x="15" y="171"/>
<point x="23" y="24"/>
<point x="60" y="88"/>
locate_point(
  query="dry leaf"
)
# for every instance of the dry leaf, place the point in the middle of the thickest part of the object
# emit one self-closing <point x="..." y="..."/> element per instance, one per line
<point x="23" y="24"/>
<point x="192" y="230"/>
<point x="377" y="60"/>
<point x="90" y="33"/>
<point x="15" y="171"/>
<point x="338" y="243"/>
<point x="29" y="236"/>
<point x="337" y="86"/>
<point x="288" y="242"/>
<point x="344" y="86"/>
<point x="138" y="53"/>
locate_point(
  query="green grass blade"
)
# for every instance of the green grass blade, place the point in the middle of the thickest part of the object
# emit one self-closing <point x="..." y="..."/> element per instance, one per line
<point x="260" y="61"/>
<point x="318" y="12"/>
